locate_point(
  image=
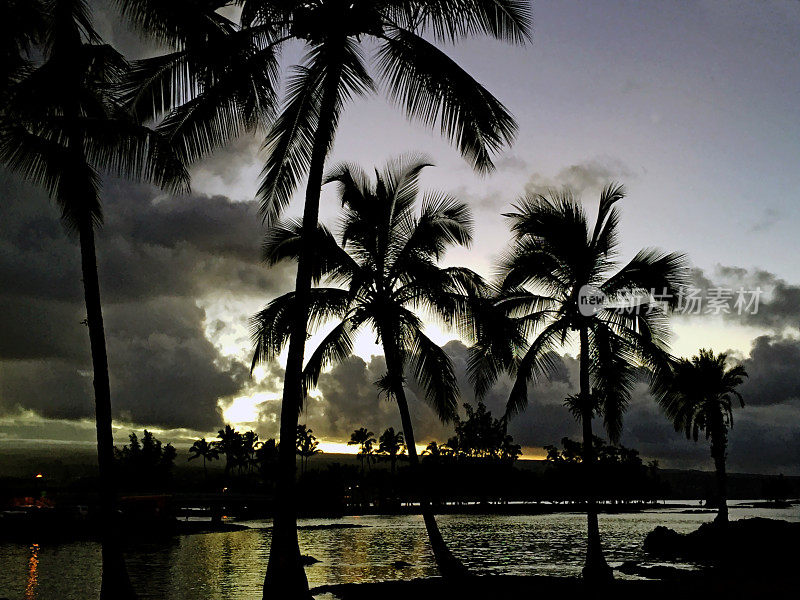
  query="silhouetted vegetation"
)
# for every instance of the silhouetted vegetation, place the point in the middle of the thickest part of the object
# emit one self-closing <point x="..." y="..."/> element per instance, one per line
<point x="306" y="446"/>
<point x="365" y="440"/>
<point x="557" y="287"/>
<point x="699" y="396"/>
<point x="621" y="474"/>
<point x="145" y="464"/>
<point x="73" y="110"/>
<point x="62" y="127"/>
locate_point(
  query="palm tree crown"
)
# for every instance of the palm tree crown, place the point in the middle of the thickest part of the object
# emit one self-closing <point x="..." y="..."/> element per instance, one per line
<point x="701" y="394"/>
<point x="387" y="264"/>
<point x="221" y="77"/>
<point x="391" y="442"/>
<point x="64" y="141"/>
<point x="555" y="260"/>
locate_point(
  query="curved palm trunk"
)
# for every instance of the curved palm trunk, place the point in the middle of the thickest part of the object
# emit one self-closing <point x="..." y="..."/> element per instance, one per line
<point x="286" y="578"/>
<point x="595" y="567"/>
<point x="115" y="581"/>
<point x="718" y="444"/>
<point x="448" y="564"/>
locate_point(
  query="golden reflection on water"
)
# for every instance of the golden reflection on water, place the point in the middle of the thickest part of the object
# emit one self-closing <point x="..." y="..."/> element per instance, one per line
<point x="33" y="573"/>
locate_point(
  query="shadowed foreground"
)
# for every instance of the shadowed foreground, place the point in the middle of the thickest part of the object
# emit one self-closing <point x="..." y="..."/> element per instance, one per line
<point x="515" y="587"/>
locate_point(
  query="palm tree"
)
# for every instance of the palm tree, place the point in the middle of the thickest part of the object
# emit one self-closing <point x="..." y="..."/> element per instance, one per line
<point x="205" y="450"/>
<point x="220" y="79"/>
<point x="434" y="451"/>
<point x="229" y="444"/>
<point x="392" y="444"/>
<point x="307" y="446"/>
<point x="551" y="280"/>
<point x="245" y="459"/>
<point x="699" y="396"/>
<point x="266" y="457"/>
<point x="387" y="263"/>
<point x="61" y="127"/>
<point x="364" y="439"/>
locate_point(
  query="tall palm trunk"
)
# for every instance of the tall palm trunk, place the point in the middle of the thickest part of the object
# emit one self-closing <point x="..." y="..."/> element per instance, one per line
<point x="448" y="564"/>
<point x="286" y="578"/>
<point x="115" y="582"/>
<point x="595" y="568"/>
<point x="718" y="445"/>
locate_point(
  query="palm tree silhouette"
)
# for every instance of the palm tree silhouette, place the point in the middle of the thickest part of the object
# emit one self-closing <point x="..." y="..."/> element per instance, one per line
<point x="220" y="79"/>
<point x="61" y="126"/>
<point x="434" y="451"/>
<point x="307" y="446"/>
<point x="556" y="254"/>
<point x="245" y="458"/>
<point x="205" y="450"/>
<point x="364" y="439"/>
<point x="699" y="396"/>
<point x="229" y="444"/>
<point x="266" y="457"/>
<point x="387" y="261"/>
<point x="392" y="444"/>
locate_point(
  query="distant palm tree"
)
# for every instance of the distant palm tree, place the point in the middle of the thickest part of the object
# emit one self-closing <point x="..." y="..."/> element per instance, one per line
<point x="266" y="457"/>
<point x="556" y="265"/>
<point x="245" y="458"/>
<point x="220" y="79"/>
<point x="61" y="127"/>
<point x="205" y="450"/>
<point x="392" y="444"/>
<point x="307" y="446"/>
<point x="700" y="396"/>
<point x="229" y="444"/>
<point x="387" y="262"/>
<point x="365" y="440"/>
<point x="434" y="451"/>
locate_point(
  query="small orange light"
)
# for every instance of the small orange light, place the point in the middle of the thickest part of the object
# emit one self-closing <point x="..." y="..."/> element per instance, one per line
<point x="39" y="476"/>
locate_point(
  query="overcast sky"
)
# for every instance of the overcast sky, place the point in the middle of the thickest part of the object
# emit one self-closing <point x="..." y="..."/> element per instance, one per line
<point x="693" y="105"/>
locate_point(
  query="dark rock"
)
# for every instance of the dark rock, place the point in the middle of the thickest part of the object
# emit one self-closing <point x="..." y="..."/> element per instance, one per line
<point x="400" y="564"/>
<point x="308" y="560"/>
<point x="767" y="543"/>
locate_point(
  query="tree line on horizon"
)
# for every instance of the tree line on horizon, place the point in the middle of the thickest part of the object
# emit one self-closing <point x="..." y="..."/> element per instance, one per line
<point x="73" y="109"/>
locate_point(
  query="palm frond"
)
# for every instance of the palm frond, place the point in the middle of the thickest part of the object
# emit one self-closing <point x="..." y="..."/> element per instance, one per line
<point x="285" y="241"/>
<point x="270" y="328"/>
<point x="540" y="359"/>
<point x="433" y="89"/>
<point x="651" y="272"/>
<point x="449" y="20"/>
<point x="335" y="348"/>
<point x="434" y="372"/>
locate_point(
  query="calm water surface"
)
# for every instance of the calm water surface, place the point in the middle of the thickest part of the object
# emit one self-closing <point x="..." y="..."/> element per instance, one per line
<point x="230" y="566"/>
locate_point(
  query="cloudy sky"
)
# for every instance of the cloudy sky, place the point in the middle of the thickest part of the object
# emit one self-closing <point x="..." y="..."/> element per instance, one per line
<point x="693" y="105"/>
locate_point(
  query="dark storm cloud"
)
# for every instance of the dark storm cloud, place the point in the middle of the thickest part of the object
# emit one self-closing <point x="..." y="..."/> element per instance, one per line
<point x="350" y="400"/>
<point x="774" y="376"/>
<point x="156" y="256"/>
<point x="778" y="300"/>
